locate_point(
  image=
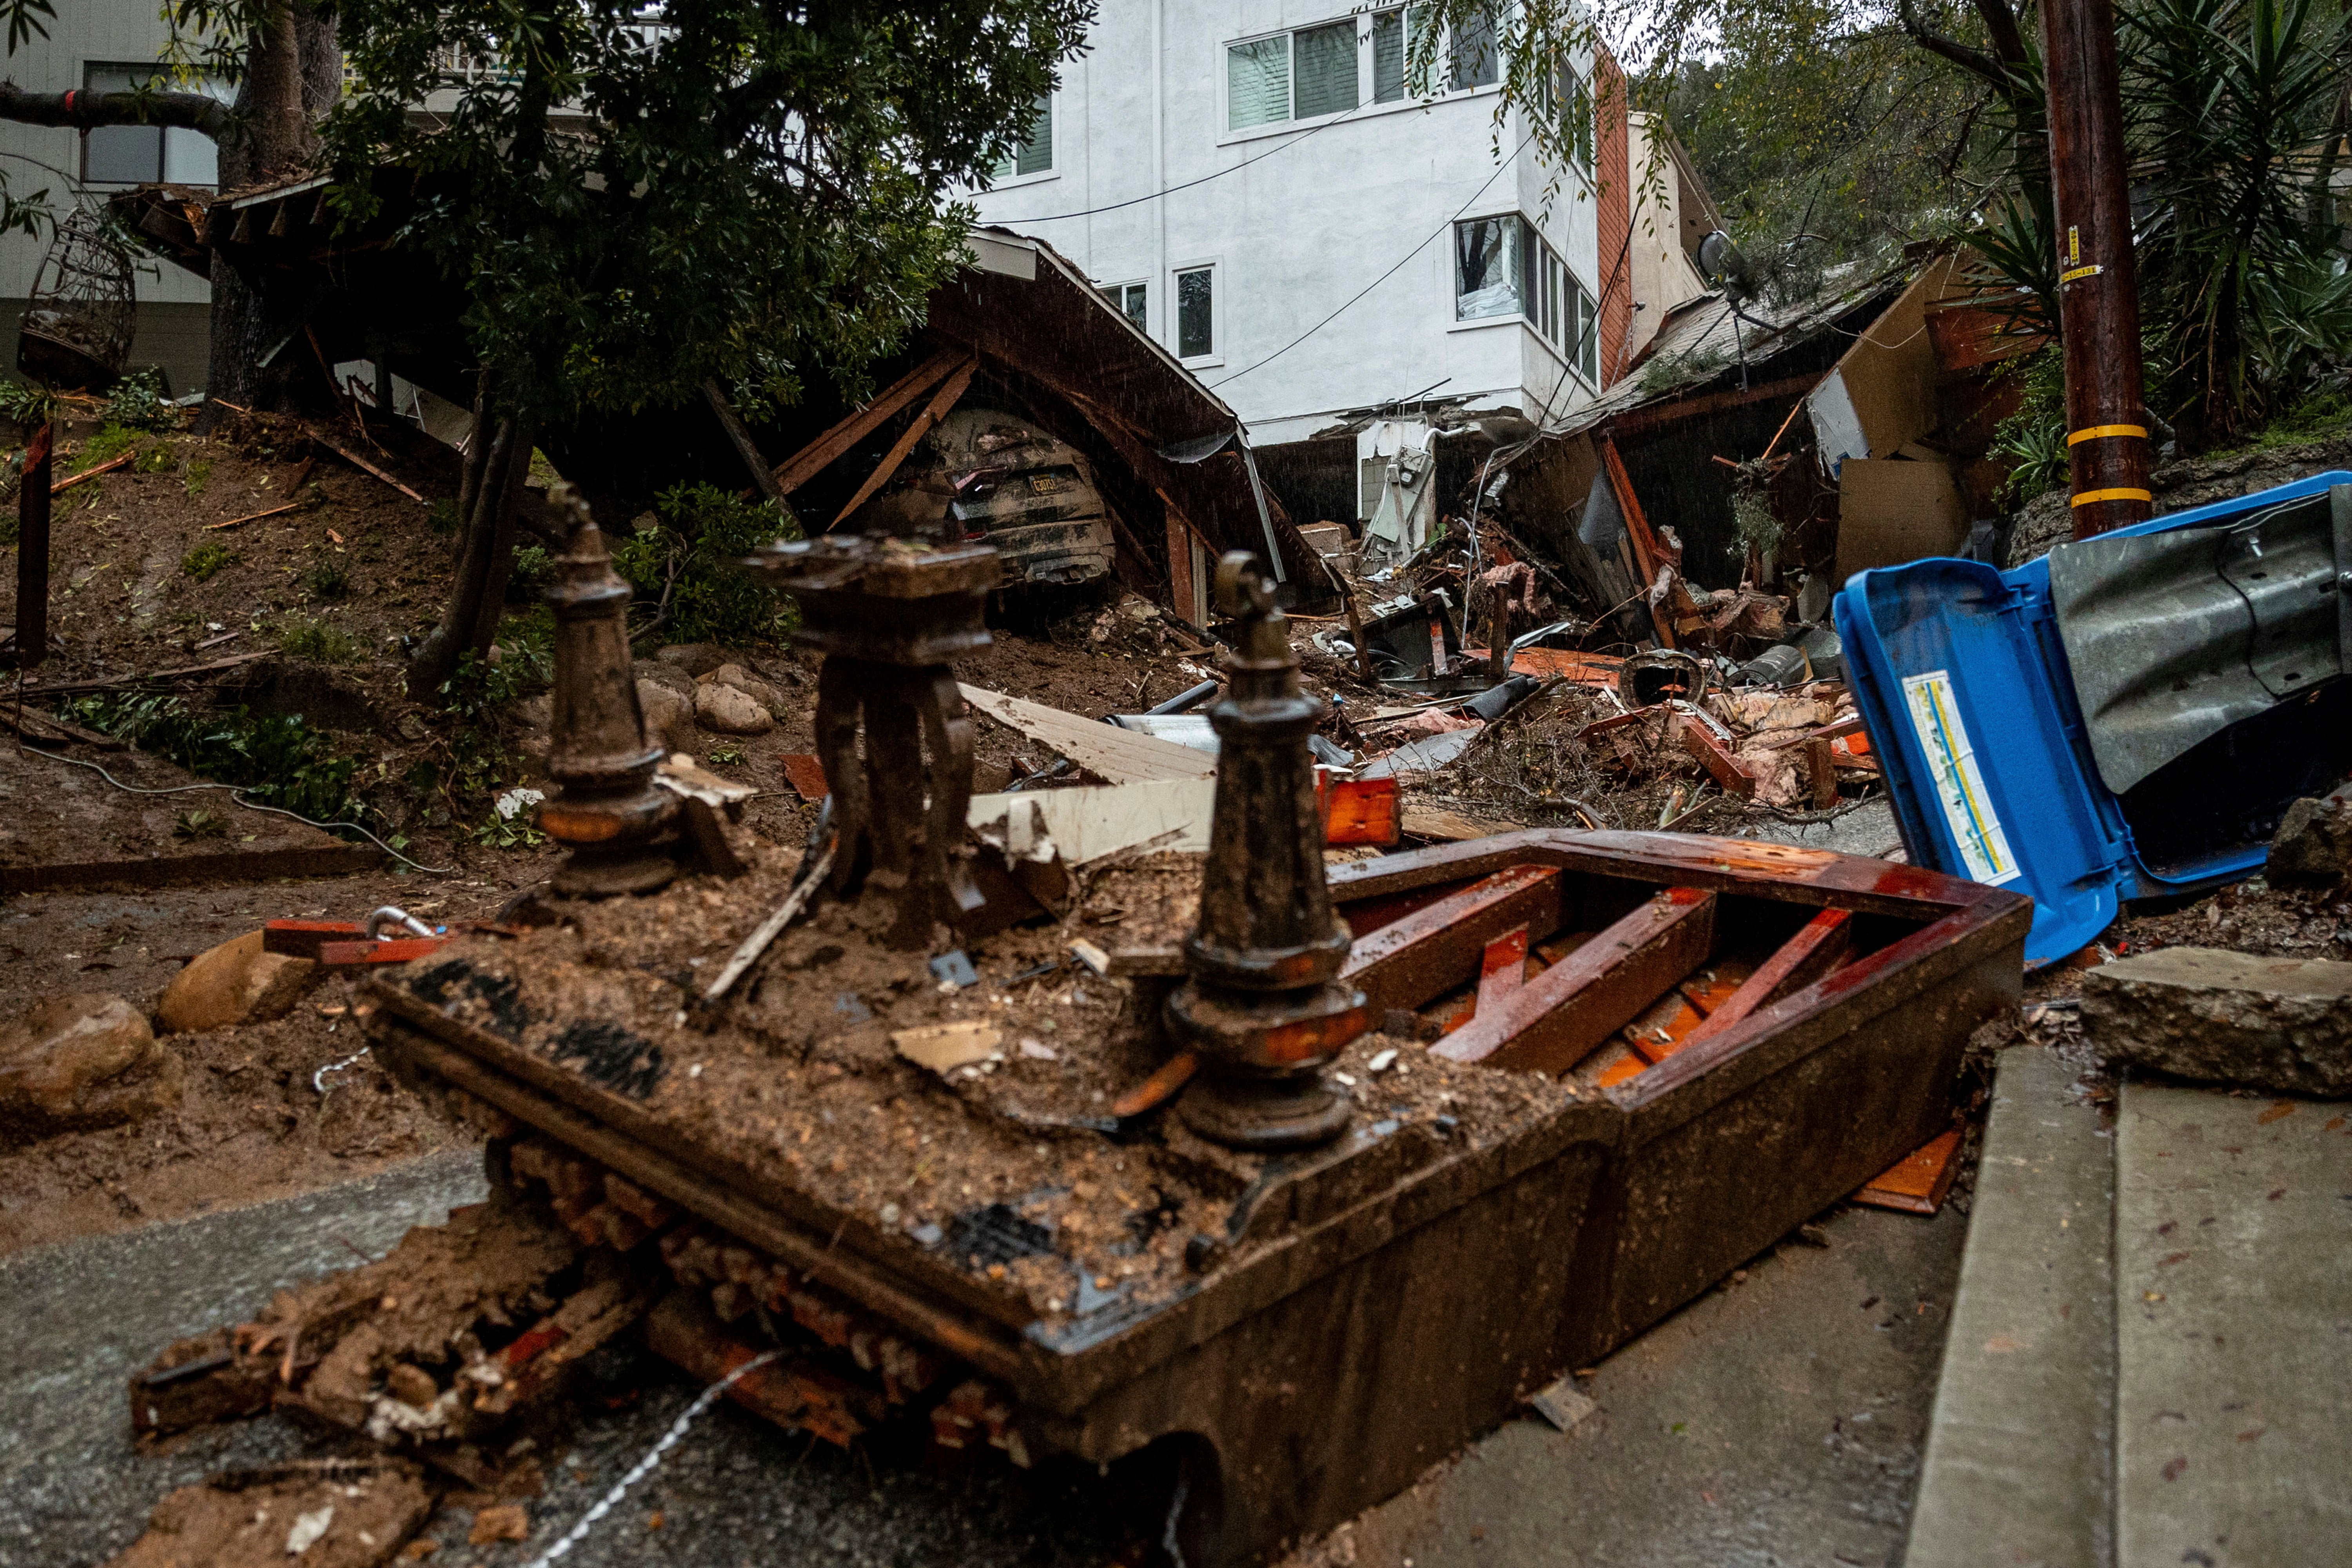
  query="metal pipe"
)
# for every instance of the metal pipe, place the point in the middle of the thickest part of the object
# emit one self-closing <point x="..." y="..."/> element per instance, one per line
<point x="2098" y="288"/>
<point x="1186" y="700"/>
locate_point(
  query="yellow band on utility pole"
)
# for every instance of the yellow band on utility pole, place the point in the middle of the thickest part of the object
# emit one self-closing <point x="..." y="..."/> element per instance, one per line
<point x="2087" y="497"/>
<point x="2094" y="432"/>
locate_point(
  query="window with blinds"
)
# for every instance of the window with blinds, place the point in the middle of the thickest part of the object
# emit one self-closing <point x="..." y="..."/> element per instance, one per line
<point x="1033" y="153"/>
<point x="1324" y="64"/>
<point x="1258" y="83"/>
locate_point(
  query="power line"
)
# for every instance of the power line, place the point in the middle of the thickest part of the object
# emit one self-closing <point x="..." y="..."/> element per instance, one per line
<point x="1384" y="277"/>
<point x="1218" y="175"/>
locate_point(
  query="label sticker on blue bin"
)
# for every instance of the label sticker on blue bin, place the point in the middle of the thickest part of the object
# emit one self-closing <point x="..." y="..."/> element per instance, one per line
<point x="1959" y="786"/>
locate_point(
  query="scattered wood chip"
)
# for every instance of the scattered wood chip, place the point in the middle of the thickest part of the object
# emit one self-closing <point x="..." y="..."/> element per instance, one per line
<point x="944" y="1046"/>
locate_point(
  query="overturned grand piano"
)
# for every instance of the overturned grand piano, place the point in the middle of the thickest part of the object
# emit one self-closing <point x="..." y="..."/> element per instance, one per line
<point x="1309" y="1183"/>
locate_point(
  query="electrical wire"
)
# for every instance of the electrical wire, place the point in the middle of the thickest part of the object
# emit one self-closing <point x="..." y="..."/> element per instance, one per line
<point x="1215" y="174"/>
<point x="235" y="796"/>
<point x="1384" y="277"/>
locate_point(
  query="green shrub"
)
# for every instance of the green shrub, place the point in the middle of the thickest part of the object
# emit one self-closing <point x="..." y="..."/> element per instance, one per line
<point x="138" y="402"/>
<point x="691" y="555"/>
<point x="443" y="519"/>
<point x="314" y="639"/>
<point x="328" y="580"/>
<point x="275" y="759"/>
<point x="111" y="442"/>
<point x="2033" y="441"/>
<point x="207" y="559"/>
<point x="528" y="578"/>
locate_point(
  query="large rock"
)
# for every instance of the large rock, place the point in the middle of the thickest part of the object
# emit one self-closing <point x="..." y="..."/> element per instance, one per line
<point x="751" y="685"/>
<point x="730" y="711"/>
<point x="71" y="1063"/>
<point x="670" y="716"/>
<point x="235" y="982"/>
<point x="2314" y="843"/>
<point x="695" y="658"/>
<point x="2279" y="1023"/>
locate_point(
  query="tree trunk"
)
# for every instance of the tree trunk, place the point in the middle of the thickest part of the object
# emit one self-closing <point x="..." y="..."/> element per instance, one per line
<point x="294" y="74"/>
<point x="498" y="461"/>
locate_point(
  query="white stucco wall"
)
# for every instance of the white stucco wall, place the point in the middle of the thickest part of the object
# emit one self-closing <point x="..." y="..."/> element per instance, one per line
<point x="1295" y="235"/>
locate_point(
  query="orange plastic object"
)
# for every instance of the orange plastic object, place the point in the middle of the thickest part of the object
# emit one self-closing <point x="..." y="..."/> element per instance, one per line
<point x="1584" y="668"/>
<point x="805" y="773"/>
<point x="1361" y="811"/>
<point x="1918" y="1183"/>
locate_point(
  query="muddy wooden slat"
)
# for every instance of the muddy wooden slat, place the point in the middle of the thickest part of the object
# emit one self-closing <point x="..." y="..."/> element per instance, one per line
<point x="1503" y="969"/>
<point x="1663" y="1025"/>
<point x="1557" y="1019"/>
<point x="1428" y="953"/>
<point x="1825" y="941"/>
<point x="1366" y="916"/>
<point x="1717" y="984"/>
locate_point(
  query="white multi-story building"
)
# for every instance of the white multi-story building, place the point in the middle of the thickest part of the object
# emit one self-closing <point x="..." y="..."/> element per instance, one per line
<point x="106" y="45"/>
<point x="1255" y="184"/>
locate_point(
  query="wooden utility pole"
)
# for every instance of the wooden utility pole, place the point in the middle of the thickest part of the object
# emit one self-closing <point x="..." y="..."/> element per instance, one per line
<point x="2098" y="288"/>
<point x="33" y="551"/>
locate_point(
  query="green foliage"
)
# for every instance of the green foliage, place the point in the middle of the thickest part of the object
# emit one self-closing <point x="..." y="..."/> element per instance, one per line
<point x="465" y="755"/>
<point x="2233" y="106"/>
<point x="689" y="586"/>
<point x="111" y="442"/>
<point x="200" y="473"/>
<point x="207" y="559"/>
<point x="275" y="759"/>
<point x="725" y="756"/>
<point x="2320" y="414"/>
<point x="155" y="460"/>
<point x="1824" y="134"/>
<point x="765" y="193"/>
<point x="2033" y="440"/>
<point x="328" y="580"/>
<point x="528" y="577"/>
<point x="322" y="641"/>
<point x="444" y="518"/>
<point x="199" y="824"/>
<point x="138" y="402"/>
<point x="25" y="403"/>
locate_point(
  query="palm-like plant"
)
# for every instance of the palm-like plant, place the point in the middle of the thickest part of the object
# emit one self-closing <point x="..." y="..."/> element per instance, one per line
<point x="2232" y="109"/>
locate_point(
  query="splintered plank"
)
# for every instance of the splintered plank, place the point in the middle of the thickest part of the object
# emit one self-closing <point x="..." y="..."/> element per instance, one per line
<point x="1557" y="1019"/>
<point x="1430" y="952"/>
<point x="1824" y="943"/>
<point x="1917" y="1183"/>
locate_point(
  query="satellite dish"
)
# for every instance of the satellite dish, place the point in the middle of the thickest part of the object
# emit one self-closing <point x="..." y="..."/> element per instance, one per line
<point x="75" y="331"/>
<point x="1721" y="261"/>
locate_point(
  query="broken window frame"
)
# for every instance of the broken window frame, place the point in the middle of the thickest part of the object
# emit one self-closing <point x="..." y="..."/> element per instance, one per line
<point x="1181" y="318"/>
<point x="1033" y="156"/>
<point x="1507" y="261"/>
<point x="1132" y="300"/>
<point x="168" y="153"/>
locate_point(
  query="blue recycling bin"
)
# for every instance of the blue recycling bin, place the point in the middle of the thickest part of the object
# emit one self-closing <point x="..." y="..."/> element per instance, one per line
<point x="2212" y="648"/>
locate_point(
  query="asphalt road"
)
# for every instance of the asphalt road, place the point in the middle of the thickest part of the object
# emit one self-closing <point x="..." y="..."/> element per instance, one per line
<point x="1777" y="1420"/>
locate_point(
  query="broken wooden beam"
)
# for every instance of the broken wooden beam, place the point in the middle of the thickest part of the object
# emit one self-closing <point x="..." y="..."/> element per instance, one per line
<point x="933" y="412"/>
<point x="1560" y="1016"/>
<point x="806" y="464"/>
<point x="1721" y="766"/>
<point x="1410" y="960"/>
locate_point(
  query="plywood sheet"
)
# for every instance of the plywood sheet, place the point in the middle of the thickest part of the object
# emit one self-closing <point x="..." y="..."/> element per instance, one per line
<point x="1112" y="755"/>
